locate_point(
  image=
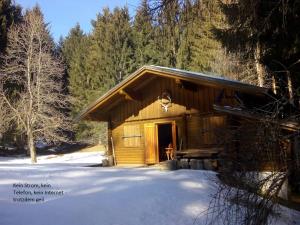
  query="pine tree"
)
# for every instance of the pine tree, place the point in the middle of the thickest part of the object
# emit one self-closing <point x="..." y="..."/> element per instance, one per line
<point x="111" y="53"/>
<point x="188" y="35"/>
<point x="205" y="48"/>
<point x="145" y="49"/>
<point x="185" y="35"/>
<point x="186" y="25"/>
<point x="169" y="32"/>
<point x="267" y="32"/>
<point x="74" y="50"/>
<point x="98" y="62"/>
<point x="9" y="15"/>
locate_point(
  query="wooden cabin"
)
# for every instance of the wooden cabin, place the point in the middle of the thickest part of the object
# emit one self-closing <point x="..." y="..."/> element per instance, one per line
<point x="157" y="108"/>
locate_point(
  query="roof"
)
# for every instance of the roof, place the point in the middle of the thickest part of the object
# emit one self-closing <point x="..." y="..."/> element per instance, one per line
<point x="197" y="78"/>
<point x="286" y="124"/>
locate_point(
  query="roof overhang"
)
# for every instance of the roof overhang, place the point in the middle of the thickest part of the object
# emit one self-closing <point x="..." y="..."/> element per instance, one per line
<point x="197" y="78"/>
<point x="290" y="125"/>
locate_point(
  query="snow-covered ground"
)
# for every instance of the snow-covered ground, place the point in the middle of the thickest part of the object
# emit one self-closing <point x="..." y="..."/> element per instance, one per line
<point x="76" y="195"/>
<point x="71" y="159"/>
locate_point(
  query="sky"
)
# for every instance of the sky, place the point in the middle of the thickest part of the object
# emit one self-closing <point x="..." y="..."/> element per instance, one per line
<point x="64" y="14"/>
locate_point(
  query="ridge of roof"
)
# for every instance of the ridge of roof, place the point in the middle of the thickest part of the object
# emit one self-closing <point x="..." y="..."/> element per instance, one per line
<point x="206" y="75"/>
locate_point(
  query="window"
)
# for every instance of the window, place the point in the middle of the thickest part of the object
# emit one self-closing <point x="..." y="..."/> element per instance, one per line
<point x="132" y="136"/>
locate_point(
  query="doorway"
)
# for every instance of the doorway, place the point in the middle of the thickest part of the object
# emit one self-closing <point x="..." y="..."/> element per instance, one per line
<point x="165" y="138"/>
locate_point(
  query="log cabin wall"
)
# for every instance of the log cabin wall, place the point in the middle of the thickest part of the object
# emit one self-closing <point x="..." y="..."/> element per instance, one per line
<point x="205" y="131"/>
<point x="191" y="109"/>
<point x="129" y="150"/>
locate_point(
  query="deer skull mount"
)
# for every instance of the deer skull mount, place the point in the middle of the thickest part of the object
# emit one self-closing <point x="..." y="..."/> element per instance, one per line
<point x="165" y="100"/>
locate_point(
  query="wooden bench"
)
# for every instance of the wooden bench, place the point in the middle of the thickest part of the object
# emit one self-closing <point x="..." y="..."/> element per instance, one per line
<point x="201" y="153"/>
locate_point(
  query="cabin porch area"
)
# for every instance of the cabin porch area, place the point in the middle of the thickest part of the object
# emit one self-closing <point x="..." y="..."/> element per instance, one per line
<point x="198" y="159"/>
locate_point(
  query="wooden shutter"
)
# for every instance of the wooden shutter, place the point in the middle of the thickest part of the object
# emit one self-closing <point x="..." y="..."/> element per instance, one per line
<point x="150" y="143"/>
<point x="132" y="136"/>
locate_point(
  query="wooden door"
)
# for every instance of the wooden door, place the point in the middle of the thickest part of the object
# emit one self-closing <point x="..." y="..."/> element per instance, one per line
<point x="150" y="143"/>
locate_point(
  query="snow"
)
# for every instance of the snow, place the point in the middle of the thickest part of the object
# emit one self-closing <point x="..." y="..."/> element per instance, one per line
<point x="104" y="196"/>
<point x="71" y="159"/>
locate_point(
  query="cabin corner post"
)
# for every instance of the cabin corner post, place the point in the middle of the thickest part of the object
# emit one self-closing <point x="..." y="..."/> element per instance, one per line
<point x="174" y="137"/>
<point x="185" y="131"/>
<point x="109" y="136"/>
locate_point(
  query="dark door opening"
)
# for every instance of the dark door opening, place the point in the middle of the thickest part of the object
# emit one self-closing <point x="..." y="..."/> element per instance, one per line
<point x="164" y="139"/>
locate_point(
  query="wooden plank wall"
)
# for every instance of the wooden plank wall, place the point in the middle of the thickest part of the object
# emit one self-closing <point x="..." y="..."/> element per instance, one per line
<point x="183" y="102"/>
<point x="201" y="131"/>
<point x="192" y="111"/>
<point x="128" y="155"/>
<point x="205" y="131"/>
<point x="136" y="155"/>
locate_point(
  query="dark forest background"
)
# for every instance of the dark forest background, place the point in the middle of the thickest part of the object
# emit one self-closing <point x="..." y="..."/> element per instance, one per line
<point x="254" y="41"/>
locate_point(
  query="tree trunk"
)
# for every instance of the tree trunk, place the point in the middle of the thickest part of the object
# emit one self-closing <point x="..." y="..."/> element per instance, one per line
<point x="258" y="65"/>
<point x="274" y="86"/>
<point x="290" y="86"/>
<point x="31" y="147"/>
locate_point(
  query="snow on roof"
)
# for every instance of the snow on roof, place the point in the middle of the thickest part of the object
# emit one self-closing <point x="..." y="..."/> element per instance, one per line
<point x="209" y="75"/>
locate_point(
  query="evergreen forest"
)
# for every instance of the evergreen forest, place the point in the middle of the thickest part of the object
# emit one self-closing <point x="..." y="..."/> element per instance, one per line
<point x="253" y="41"/>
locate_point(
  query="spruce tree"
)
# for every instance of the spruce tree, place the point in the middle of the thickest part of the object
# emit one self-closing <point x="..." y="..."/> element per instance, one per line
<point x="111" y="55"/>
<point x="204" y="48"/>
<point x="9" y="15"/>
<point x="74" y="49"/>
<point x="186" y="33"/>
<point x="145" y="49"/>
<point x="168" y="33"/>
<point x="268" y="34"/>
<point x="97" y="62"/>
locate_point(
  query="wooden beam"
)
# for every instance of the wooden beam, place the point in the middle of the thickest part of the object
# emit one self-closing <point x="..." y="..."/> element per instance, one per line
<point x="220" y="97"/>
<point x="130" y="95"/>
<point x="239" y="99"/>
<point x="186" y="84"/>
<point x="178" y="81"/>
